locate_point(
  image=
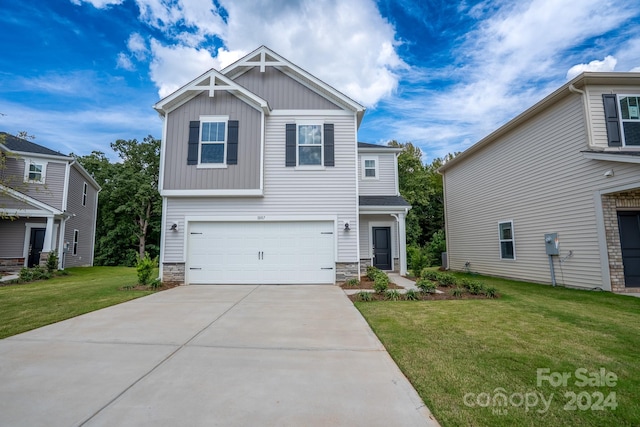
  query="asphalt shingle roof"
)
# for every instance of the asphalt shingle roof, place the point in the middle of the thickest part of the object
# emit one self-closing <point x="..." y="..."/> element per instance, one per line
<point x="367" y="145"/>
<point x="383" y="201"/>
<point x="18" y="144"/>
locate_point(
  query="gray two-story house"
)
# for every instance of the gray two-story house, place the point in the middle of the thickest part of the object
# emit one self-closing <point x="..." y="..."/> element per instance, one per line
<point x="263" y="181"/>
<point x="48" y="202"/>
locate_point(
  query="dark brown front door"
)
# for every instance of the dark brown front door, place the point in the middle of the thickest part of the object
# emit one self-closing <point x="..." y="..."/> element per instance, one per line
<point x="382" y="248"/>
<point x="36" y="242"/>
<point x="629" y="225"/>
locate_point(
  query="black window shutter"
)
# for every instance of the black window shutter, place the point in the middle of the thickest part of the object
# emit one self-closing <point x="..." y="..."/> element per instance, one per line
<point x="611" y="116"/>
<point x="232" y="143"/>
<point x="194" y="139"/>
<point x="329" y="151"/>
<point x="291" y="145"/>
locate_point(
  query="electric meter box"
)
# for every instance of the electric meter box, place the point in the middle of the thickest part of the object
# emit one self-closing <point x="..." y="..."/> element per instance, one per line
<point x="551" y="244"/>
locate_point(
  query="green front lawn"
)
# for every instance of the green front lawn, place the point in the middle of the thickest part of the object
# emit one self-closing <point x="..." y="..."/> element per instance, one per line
<point x="29" y="306"/>
<point x="460" y="355"/>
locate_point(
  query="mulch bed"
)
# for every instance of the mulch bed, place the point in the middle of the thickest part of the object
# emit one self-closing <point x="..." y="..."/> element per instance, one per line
<point x="163" y="287"/>
<point x="446" y="295"/>
<point x="366" y="283"/>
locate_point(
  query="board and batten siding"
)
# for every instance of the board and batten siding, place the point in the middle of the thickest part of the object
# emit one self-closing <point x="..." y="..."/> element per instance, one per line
<point x="365" y="233"/>
<point x="83" y="220"/>
<point x="537" y="177"/>
<point x="50" y="192"/>
<point x="282" y="92"/>
<point x="245" y="175"/>
<point x="385" y="185"/>
<point x="288" y="191"/>
<point x="596" y="110"/>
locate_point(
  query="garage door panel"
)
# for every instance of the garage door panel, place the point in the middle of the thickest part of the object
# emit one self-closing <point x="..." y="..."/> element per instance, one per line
<point x="261" y="252"/>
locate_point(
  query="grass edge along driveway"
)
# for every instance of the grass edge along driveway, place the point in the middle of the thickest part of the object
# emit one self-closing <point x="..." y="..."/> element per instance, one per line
<point x="28" y="306"/>
<point x="465" y="357"/>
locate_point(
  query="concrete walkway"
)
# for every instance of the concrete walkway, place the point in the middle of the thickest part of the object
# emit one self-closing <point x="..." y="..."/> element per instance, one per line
<point x="205" y="356"/>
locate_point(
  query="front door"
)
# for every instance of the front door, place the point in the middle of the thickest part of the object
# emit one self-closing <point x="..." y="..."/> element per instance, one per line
<point x="36" y="243"/>
<point x="629" y="225"/>
<point x="382" y="247"/>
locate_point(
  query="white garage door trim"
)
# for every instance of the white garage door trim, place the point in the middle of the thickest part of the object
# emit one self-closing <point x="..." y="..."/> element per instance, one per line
<point x="292" y="250"/>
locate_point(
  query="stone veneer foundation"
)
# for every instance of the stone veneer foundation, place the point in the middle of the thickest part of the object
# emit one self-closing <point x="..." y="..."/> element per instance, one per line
<point x="611" y="203"/>
<point x="173" y="273"/>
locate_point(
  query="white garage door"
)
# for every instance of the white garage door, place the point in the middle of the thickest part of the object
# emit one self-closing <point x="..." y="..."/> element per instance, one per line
<point x="261" y="252"/>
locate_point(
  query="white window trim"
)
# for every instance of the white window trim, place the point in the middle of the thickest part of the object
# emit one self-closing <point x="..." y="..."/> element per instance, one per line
<point x="213" y="119"/>
<point x="377" y="167"/>
<point x="84" y="194"/>
<point x="512" y="240"/>
<point x="27" y="163"/>
<point x="321" y="166"/>
<point x="76" y="238"/>
<point x="622" y="122"/>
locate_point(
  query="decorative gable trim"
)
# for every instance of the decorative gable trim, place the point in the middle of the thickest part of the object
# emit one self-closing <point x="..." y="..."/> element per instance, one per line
<point x="210" y="82"/>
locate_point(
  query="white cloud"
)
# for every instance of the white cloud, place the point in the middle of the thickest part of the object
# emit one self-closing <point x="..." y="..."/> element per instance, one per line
<point x="635" y="70"/>
<point x="98" y="4"/>
<point x="137" y="46"/>
<point x="174" y="66"/>
<point x="607" y="64"/>
<point x="124" y="62"/>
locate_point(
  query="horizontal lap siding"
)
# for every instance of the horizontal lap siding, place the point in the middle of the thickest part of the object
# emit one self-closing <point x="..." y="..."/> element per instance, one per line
<point x="50" y="192"/>
<point x="282" y="92"/>
<point x="287" y="192"/>
<point x="83" y="220"/>
<point x="537" y="177"/>
<point x="596" y="109"/>
<point x="385" y="185"/>
<point x="245" y="175"/>
<point x="12" y="237"/>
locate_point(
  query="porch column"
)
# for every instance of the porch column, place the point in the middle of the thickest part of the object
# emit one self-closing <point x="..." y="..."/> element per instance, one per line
<point x="402" y="231"/>
<point x="48" y="235"/>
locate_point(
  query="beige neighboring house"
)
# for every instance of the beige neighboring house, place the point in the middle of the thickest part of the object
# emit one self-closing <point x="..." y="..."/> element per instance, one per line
<point x="569" y="165"/>
<point x="263" y="181"/>
<point x="48" y="202"/>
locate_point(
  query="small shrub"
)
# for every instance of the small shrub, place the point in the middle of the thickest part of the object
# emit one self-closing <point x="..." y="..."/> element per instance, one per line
<point x="433" y="250"/>
<point x="416" y="259"/>
<point x="145" y="268"/>
<point x="447" y="280"/>
<point x="381" y="283"/>
<point x="457" y="291"/>
<point x="352" y="282"/>
<point x="63" y="272"/>
<point x="52" y="262"/>
<point x="411" y="295"/>
<point x="491" y="292"/>
<point x="473" y="286"/>
<point x="364" y="296"/>
<point x="372" y="272"/>
<point x="392" y="295"/>
<point x="155" y="284"/>
<point x="427" y="273"/>
<point x="25" y="275"/>
<point x="426" y="286"/>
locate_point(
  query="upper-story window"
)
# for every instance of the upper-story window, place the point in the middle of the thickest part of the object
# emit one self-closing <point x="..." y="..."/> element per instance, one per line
<point x="84" y="194"/>
<point x="213" y="141"/>
<point x="309" y="145"/>
<point x="630" y="119"/>
<point x="34" y="171"/>
<point x="370" y="167"/>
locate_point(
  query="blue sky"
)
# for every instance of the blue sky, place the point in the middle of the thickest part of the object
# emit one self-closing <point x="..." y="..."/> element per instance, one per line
<point x="79" y="74"/>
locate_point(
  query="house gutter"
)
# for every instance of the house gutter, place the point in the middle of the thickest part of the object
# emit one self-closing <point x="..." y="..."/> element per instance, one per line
<point x="587" y="116"/>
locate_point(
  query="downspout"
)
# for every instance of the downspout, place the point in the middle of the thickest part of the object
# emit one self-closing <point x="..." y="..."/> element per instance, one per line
<point x="587" y="116"/>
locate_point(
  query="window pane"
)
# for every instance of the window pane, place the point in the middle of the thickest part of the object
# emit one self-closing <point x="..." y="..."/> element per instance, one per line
<point x="506" y="249"/>
<point x="310" y="156"/>
<point x="505" y="231"/>
<point x="212" y="153"/>
<point x="35" y="168"/>
<point x="33" y="176"/>
<point x="370" y="172"/>
<point x="631" y="133"/>
<point x="369" y="163"/>
<point x="213" y="131"/>
<point x="629" y="107"/>
<point x="309" y="134"/>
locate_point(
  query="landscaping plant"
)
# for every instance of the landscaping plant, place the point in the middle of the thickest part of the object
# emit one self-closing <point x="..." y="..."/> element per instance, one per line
<point x="145" y="268"/>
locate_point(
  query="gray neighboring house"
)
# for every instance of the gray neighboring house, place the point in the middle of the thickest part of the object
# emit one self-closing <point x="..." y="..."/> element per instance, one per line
<point x="568" y="165"/>
<point x="48" y="203"/>
<point x="263" y="181"/>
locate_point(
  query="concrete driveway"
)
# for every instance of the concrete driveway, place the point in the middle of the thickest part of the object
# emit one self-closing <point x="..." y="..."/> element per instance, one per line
<point x="208" y="356"/>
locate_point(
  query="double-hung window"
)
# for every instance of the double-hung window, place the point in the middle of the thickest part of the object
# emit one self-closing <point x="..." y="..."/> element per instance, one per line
<point x="630" y="119"/>
<point x="84" y="194"/>
<point x="34" y="171"/>
<point x="309" y="145"/>
<point x="75" y="242"/>
<point x="507" y="244"/>
<point x="370" y="167"/>
<point x="213" y="141"/>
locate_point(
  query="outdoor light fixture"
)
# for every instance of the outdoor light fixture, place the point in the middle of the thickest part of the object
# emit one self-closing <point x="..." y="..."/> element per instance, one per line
<point x="609" y="173"/>
<point x="346" y="226"/>
<point x="174" y="227"/>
